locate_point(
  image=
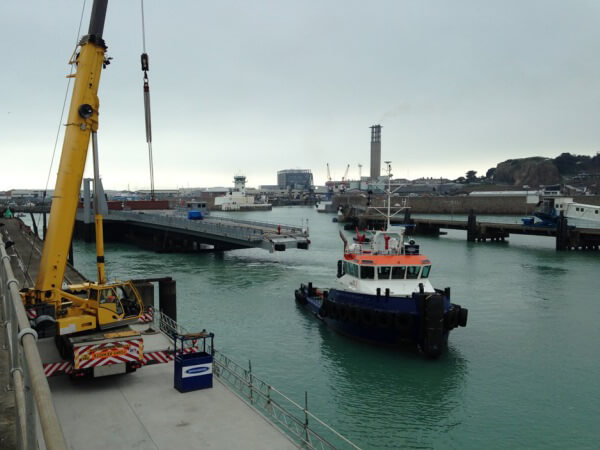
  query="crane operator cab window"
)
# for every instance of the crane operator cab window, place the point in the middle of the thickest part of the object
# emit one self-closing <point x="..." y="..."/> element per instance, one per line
<point x="128" y="299"/>
<point x="108" y="299"/>
<point x="120" y="300"/>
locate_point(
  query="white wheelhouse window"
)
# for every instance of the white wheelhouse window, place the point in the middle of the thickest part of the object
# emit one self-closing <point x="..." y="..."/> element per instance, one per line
<point x="383" y="272"/>
<point x="412" y="272"/>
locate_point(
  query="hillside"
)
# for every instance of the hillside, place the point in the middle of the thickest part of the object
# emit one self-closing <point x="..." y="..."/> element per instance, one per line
<point x="536" y="171"/>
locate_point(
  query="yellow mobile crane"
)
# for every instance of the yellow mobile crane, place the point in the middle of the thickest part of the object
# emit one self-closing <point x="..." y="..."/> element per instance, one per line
<point x="90" y="306"/>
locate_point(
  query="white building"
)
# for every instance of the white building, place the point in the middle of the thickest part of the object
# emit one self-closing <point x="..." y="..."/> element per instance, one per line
<point x="237" y="199"/>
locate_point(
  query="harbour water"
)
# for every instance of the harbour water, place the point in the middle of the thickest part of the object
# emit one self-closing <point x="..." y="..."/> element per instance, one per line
<point x="523" y="373"/>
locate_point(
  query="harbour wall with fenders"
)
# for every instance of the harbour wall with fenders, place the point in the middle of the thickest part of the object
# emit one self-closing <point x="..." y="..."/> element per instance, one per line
<point x="505" y="205"/>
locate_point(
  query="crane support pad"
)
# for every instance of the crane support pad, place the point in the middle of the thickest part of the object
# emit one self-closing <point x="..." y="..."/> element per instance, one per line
<point x="120" y="334"/>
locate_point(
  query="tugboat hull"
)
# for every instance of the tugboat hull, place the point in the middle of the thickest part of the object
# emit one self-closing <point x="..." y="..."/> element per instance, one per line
<point x="423" y="319"/>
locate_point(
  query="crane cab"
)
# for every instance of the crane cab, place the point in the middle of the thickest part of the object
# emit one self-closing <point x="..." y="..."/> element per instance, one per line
<point x="118" y="304"/>
<point x="86" y="307"/>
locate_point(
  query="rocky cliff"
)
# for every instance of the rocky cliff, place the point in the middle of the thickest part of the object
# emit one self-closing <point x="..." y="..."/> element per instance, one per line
<point x="527" y="171"/>
<point x="538" y="170"/>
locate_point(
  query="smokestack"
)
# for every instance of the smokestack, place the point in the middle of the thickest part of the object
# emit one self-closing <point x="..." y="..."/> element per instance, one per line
<point x="375" y="151"/>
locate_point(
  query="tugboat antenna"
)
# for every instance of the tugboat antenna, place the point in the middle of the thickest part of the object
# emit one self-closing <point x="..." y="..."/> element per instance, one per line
<point x="389" y="199"/>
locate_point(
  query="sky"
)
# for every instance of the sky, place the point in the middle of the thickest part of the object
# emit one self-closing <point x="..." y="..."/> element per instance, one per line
<point x="241" y="87"/>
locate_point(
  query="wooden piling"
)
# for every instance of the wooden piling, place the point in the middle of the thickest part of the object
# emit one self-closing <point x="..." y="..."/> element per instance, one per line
<point x="562" y="233"/>
<point x="471" y="226"/>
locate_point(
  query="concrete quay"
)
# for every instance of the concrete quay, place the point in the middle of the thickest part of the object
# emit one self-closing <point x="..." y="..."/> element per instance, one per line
<point x="143" y="409"/>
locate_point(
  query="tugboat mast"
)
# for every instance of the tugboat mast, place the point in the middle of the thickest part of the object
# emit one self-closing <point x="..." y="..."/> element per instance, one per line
<point x="389" y="199"/>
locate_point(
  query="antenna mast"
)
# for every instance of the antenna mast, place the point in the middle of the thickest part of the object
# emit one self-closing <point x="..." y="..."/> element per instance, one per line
<point x="389" y="197"/>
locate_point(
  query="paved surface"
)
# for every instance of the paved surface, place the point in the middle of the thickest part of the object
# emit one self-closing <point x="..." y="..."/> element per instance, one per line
<point x="7" y="400"/>
<point x="142" y="410"/>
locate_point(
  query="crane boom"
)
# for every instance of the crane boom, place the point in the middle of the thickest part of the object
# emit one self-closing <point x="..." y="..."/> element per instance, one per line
<point x="88" y="306"/>
<point x="82" y="120"/>
<point x="346" y="173"/>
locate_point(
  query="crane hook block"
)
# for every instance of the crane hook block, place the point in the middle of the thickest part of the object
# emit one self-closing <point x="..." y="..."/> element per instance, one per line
<point x="145" y="63"/>
<point x="85" y="111"/>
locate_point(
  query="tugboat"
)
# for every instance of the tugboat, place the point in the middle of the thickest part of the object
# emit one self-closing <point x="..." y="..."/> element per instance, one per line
<point x="383" y="294"/>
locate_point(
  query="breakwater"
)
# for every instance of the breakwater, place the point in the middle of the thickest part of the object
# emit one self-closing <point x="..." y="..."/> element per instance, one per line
<point x="505" y="205"/>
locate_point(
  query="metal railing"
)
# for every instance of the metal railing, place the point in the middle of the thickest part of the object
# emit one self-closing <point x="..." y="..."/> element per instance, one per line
<point x="293" y="419"/>
<point x="234" y="228"/>
<point x="27" y="378"/>
<point x="264" y="224"/>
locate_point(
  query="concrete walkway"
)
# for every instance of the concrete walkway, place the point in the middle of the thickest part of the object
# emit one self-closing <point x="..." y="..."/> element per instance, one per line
<point x="8" y="437"/>
<point x="142" y="410"/>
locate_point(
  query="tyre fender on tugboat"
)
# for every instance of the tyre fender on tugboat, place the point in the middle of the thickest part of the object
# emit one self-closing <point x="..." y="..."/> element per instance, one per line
<point x="332" y="311"/>
<point x="451" y="317"/>
<point x="402" y="321"/>
<point x="344" y="312"/>
<point x="354" y="314"/>
<point x="300" y="296"/>
<point x="463" y="314"/>
<point x="367" y="317"/>
<point x="384" y="319"/>
<point x="324" y="310"/>
<point x="432" y="331"/>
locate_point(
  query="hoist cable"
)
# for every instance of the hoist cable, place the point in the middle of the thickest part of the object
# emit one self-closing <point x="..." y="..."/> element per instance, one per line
<point x="143" y="28"/>
<point x="147" y="115"/>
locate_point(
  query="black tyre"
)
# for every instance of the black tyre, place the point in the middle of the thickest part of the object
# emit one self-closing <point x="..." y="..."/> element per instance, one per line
<point x="463" y="315"/>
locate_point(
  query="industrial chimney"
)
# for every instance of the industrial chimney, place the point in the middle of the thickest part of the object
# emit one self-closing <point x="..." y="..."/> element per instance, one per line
<point x="375" y="151"/>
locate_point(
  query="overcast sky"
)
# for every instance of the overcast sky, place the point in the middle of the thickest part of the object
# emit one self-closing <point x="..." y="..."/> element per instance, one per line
<point x="256" y="87"/>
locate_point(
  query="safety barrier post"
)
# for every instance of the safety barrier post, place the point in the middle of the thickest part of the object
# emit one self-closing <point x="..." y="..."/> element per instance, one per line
<point x="306" y="416"/>
<point x="250" y="384"/>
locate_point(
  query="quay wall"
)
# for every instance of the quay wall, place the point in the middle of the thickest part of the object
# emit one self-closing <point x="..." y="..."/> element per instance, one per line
<point x="509" y="205"/>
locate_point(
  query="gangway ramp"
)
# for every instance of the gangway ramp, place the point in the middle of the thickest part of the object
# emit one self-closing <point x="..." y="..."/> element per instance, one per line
<point x="167" y="231"/>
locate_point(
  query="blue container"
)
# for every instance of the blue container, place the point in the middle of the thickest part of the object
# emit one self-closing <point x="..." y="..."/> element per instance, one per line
<point x="195" y="215"/>
<point x="193" y="370"/>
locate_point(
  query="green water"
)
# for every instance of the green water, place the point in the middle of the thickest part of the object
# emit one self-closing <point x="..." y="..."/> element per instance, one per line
<point x="524" y="373"/>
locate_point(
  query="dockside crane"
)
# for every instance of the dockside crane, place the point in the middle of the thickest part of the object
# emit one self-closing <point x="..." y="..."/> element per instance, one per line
<point x="344" y="179"/>
<point x="73" y="310"/>
<point x="329" y="184"/>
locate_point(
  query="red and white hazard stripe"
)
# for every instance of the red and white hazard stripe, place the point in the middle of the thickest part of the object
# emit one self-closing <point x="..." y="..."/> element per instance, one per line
<point x="158" y="357"/>
<point x="31" y="313"/>
<point x="87" y="356"/>
<point x="148" y="315"/>
<point x="56" y="368"/>
<point x="164" y="356"/>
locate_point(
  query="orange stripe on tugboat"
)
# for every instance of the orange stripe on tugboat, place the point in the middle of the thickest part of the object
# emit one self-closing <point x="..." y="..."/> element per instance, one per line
<point x="387" y="260"/>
